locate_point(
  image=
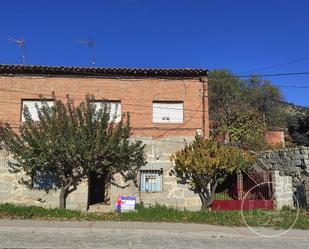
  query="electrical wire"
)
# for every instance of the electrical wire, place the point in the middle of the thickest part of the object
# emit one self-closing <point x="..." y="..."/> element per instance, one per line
<point x="277" y="65"/>
<point x="260" y="75"/>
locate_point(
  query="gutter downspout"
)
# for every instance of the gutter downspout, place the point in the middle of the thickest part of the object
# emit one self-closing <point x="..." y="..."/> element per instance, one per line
<point x="204" y="82"/>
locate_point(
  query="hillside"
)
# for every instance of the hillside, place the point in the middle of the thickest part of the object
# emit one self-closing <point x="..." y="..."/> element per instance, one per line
<point x="294" y="110"/>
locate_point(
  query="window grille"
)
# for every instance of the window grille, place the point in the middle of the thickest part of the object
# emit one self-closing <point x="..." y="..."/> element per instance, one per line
<point x="151" y="180"/>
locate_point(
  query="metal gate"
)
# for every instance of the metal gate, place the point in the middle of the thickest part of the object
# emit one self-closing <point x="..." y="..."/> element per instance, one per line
<point x="246" y="190"/>
<point x="300" y="196"/>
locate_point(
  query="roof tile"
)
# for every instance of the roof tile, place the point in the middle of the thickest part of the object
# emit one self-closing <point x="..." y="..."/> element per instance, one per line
<point x="100" y="71"/>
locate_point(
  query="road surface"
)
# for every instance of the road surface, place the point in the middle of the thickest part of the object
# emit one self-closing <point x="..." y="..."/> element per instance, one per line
<point x="126" y="235"/>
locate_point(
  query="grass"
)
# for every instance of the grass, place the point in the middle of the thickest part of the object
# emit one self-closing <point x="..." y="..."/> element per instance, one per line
<point x="275" y="219"/>
<point x="222" y="196"/>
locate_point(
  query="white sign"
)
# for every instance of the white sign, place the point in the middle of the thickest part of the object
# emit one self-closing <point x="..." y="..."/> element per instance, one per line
<point x="125" y="203"/>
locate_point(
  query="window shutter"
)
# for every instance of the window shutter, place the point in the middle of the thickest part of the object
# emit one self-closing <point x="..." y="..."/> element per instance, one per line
<point x="31" y="106"/>
<point x="115" y="109"/>
<point x="167" y="112"/>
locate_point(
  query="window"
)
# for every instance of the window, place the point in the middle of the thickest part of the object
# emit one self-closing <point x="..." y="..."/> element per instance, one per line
<point x="115" y="109"/>
<point x="44" y="180"/>
<point x="31" y="106"/>
<point x="151" y="180"/>
<point x="167" y="112"/>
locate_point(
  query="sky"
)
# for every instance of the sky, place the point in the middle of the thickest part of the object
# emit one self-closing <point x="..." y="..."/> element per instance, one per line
<point x="239" y="35"/>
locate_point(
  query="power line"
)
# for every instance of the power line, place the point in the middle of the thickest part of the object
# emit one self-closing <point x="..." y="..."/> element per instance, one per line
<point x="138" y="138"/>
<point x="277" y="65"/>
<point x="260" y="75"/>
<point x="193" y="110"/>
<point x="173" y="108"/>
<point x="290" y="86"/>
<point x="268" y="75"/>
<point x="123" y="104"/>
<point x="164" y="140"/>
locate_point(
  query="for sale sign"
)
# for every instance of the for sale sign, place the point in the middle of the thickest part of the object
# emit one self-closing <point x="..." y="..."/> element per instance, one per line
<point x="125" y="203"/>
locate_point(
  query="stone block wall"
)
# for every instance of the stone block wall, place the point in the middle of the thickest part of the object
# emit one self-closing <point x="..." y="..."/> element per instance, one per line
<point x="173" y="194"/>
<point x="11" y="191"/>
<point x="157" y="153"/>
<point x="283" y="190"/>
<point x="292" y="162"/>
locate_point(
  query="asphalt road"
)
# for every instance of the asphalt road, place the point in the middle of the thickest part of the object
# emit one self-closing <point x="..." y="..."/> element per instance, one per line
<point x="126" y="235"/>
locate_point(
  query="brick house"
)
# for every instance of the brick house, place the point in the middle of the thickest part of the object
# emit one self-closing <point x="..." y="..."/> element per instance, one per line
<point x="166" y="107"/>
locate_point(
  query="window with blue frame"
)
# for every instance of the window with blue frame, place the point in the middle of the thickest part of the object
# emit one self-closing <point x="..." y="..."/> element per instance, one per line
<point x="151" y="180"/>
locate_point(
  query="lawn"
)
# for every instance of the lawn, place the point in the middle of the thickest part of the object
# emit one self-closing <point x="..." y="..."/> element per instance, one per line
<point x="275" y="219"/>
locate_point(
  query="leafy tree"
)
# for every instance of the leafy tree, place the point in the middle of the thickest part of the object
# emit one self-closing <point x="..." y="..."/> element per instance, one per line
<point x="299" y="129"/>
<point x="68" y="142"/>
<point x="204" y="162"/>
<point x="243" y="109"/>
<point x="225" y="92"/>
<point x="228" y="93"/>
<point x="245" y="128"/>
<point x="266" y="99"/>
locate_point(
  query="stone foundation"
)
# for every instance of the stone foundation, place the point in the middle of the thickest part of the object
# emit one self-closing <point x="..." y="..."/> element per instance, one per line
<point x="11" y="191"/>
<point x="157" y="153"/>
<point x="173" y="194"/>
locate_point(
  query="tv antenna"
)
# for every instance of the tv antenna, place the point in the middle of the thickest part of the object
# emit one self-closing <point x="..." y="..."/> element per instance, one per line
<point x="90" y="43"/>
<point x="22" y="44"/>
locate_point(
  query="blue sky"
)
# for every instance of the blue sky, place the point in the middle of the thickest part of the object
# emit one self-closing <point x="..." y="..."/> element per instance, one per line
<point x="239" y="35"/>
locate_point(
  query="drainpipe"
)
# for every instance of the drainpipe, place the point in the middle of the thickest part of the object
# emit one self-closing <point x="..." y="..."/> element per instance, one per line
<point x="204" y="88"/>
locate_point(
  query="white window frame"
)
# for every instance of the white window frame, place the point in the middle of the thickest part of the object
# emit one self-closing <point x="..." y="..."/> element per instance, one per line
<point x="168" y="112"/>
<point x="32" y="109"/>
<point x="114" y="104"/>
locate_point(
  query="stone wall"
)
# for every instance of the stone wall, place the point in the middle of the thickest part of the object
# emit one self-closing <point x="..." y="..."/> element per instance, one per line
<point x="292" y="162"/>
<point x="173" y="193"/>
<point x="11" y="191"/>
<point x="157" y="153"/>
<point x="283" y="190"/>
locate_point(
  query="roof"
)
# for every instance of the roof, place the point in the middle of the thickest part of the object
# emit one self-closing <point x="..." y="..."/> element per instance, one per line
<point x="101" y="71"/>
<point x="273" y="128"/>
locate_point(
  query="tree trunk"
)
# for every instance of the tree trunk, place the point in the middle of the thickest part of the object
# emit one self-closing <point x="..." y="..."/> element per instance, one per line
<point x="206" y="195"/>
<point x="206" y="201"/>
<point x="63" y="198"/>
<point x="65" y="191"/>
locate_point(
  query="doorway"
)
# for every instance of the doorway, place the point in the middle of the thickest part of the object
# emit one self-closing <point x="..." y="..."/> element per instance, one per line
<point x="96" y="188"/>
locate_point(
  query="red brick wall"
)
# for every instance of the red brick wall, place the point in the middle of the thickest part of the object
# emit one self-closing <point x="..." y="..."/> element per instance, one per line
<point x="136" y="96"/>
